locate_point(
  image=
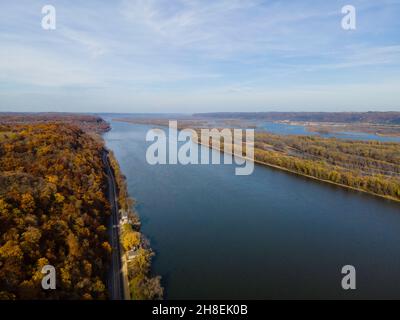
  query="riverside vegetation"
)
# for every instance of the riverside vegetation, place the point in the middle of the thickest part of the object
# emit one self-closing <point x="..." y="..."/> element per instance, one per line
<point x="370" y="166"/>
<point x="142" y="286"/>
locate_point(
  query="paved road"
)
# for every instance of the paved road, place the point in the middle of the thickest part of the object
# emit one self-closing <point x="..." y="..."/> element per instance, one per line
<point x="115" y="283"/>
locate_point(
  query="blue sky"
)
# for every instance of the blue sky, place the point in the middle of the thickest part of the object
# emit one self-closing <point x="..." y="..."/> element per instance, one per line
<point x="199" y="56"/>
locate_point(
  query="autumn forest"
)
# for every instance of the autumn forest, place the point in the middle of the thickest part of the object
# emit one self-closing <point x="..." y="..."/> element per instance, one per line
<point x="53" y="210"/>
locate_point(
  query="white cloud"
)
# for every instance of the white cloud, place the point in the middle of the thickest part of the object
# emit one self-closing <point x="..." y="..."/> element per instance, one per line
<point x="199" y="54"/>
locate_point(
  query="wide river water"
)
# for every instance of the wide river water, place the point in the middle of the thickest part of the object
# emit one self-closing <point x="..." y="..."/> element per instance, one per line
<point x="267" y="235"/>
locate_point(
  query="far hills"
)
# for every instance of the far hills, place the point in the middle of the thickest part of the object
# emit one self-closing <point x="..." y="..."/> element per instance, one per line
<point x="390" y="117"/>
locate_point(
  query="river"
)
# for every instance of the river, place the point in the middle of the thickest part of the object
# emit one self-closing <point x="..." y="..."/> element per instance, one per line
<point x="267" y="235"/>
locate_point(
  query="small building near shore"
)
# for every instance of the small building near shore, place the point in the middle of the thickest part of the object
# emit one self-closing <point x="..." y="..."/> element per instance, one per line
<point x="124" y="217"/>
<point x="132" y="254"/>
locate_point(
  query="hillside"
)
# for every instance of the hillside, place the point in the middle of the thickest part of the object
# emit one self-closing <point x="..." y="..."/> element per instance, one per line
<point x="53" y="210"/>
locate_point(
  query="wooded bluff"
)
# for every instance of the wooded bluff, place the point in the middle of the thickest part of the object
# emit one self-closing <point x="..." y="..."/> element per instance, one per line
<point x="53" y="210"/>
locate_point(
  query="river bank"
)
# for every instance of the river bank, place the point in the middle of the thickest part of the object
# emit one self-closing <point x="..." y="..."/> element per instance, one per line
<point x="137" y="254"/>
